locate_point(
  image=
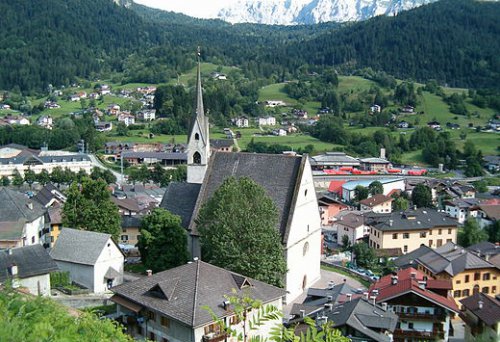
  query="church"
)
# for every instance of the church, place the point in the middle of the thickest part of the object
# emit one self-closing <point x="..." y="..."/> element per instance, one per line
<point x="287" y="180"/>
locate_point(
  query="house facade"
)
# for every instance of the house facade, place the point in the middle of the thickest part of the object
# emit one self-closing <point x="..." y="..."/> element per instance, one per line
<point x="351" y="225"/>
<point x="378" y="204"/>
<point x="92" y="259"/>
<point x="174" y="305"/>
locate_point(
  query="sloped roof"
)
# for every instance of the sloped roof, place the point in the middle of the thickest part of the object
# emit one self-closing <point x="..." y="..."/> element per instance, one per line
<point x="336" y="186"/>
<point x="55" y="215"/>
<point x="351" y="220"/>
<point x="30" y="261"/>
<point x="489" y="313"/>
<point x="422" y="218"/>
<point x="46" y="195"/>
<point x="278" y="174"/>
<point x="127" y="204"/>
<point x="221" y="143"/>
<point x="375" y="200"/>
<point x="198" y="285"/>
<point x="409" y="258"/>
<point x="79" y="246"/>
<point x="15" y="206"/>
<point x="180" y="199"/>
<point x="131" y="221"/>
<point x="492" y="211"/>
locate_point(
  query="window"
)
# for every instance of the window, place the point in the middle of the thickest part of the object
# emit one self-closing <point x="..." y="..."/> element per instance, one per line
<point x="306" y="248"/>
<point x="124" y="230"/>
<point x="405" y="248"/>
<point x="423" y="234"/>
<point x="234" y="320"/>
<point x="308" y="228"/>
<point x="439" y="242"/>
<point x="430" y="232"/>
<point x="475" y="290"/>
<point x="151" y="315"/>
<point x="212" y="328"/>
<point x="465" y="293"/>
<point x="124" y="237"/>
<point x="449" y="231"/>
<point x="305" y="193"/>
<point x="32" y="239"/>
<point x="456" y="293"/>
<point x="467" y="278"/>
<point x="477" y="276"/>
<point x="486" y="290"/>
<point x="439" y="231"/>
<point x="486" y="276"/>
<point x="448" y="240"/>
<point x="394" y="236"/>
<point x="197" y="158"/>
<point x="493" y="289"/>
<point x="410" y="325"/>
<point x="152" y="336"/>
<point x="406" y="235"/>
<point x="430" y="243"/>
<point x="165" y="322"/>
<point x="458" y="282"/>
<point x="196" y="136"/>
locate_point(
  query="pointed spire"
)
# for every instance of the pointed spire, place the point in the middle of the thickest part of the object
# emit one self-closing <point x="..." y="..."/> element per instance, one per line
<point x="199" y="92"/>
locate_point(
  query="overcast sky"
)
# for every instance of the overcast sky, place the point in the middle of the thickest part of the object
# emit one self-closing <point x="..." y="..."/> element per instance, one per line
<point x="195" y="8"/>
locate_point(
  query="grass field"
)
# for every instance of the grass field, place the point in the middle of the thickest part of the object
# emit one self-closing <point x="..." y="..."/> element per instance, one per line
<point x="355" y="83"/>
<point x="275" y="92"/>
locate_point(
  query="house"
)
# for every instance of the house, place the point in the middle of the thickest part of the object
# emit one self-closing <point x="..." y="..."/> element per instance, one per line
<point x="51" y="105"/>
<point x="54" y="215"/>
<point x="468" y="273"/>
<point x="104" y="89"/>
<point x="130" y="230"/>
<point x="492" y="163"/>
<point x="126" y="118"/>
<point x="481" y="313"/>
<point x="434" y="125"/>
<point x="300" y="114"/>
<point x="126" y="206"/>
<point x="379" y="203"/>
<point x="22" y="220"/>
<point x="74" y="98"/>
<point x="375" y="164"/>
<point x="389" y="185"/>
<point x="45" y="121"/>
<point x="286" y="179"/>
<point x="329" y="208"/>
<point x="408" y="109"/>
<point x="113" y="109"/>
<point x="488" y="251"/>
<point x="92" y="259"/>
<point x="451" y="125"/>
<point x="460" y="208"/>
<point x="163" y="158"/>
<point x="410" y="229"/>
<point x="16" y="120"/>
<point x="104" y="126"/>
<point x="333" y="160"/>
<point x="222" y="145"/>
<point x="352" y="225"/>
<point x="267" y="121"/>
<point x="280" y="132"/>
<point x="183" y="303"/>
<point x="50" y="195"/>
<point x="241" y="122"/>
<point x="486" y="214"/>
<point x="375" y="108"/>
<point x="403" y="124"/>
<point x="147" y="115"/>
<point x="422" y="304"/>
<point x="275" y="103"/>
<point x="28" y="267"/>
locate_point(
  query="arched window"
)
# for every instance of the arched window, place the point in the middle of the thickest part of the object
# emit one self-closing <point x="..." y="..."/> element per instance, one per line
<point x="197" y="158"/>
<point x="475" y="289"/>
<point x="306" y="248"/>
<point x="196" y="136"/>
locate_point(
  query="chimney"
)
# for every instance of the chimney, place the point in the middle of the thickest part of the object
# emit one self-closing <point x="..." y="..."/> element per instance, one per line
<point x="30" y="205"/>
<point x="329" y="298"/>
<point x="382" y="153"/>
<point x="487" y="257"/>
<point x="13" y="270"/>
<point x="9" y="251"/>
<point x="373" y="298"/>
<point x="394" y="280"/>
<point x="455" y="247"/>
<point x="384" y="306"/>
<point x="422" y="284"/>
<point x="390" y="223"/>
<point x="413" y="275"/>
<point x="349" y="297"/>
<point x="365" y="295"/>
<point x="414" y="207"/>
<point x="329" y="306"/>
<point x="480" y="304"/>
<point x="149" y="273"/>
<point x="302" y="313"/>
<point x="331" y="284"/>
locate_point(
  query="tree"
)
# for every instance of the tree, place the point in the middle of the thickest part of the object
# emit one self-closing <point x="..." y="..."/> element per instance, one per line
<point x="493" y="231"/>
<point x="163" y="241"/>
<point x="57" y="175"/>
<point x="104" y="174"/>
<point x="481" y="186"/>
<point x="400" y="203"/>
<point x="364" y="255"/>
<point x="376" y="188"/>
<point x="471" y="233"/>
<point x="360" y="193"/>
<point x="89" y="207"/>
<point x="238" y="231"/>
<point x="346" y="243"/>
<point x="17" y="179"/>
<point x="121" y="129"/>
<point x="421" y="196"/>
<point x="29" y="177"/>
<point x="32" y="318"/>
<point x="5" y="181"/>
<point x="43" y="177"/>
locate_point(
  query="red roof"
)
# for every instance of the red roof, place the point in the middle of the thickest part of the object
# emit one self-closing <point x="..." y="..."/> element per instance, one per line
<point x="336" y="186"/>
<point x="406" y="284"/>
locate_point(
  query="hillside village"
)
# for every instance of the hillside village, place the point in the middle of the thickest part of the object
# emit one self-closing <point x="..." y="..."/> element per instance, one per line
<point x="371" y="246"/>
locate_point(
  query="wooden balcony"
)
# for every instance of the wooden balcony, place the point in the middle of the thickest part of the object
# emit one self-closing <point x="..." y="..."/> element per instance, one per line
<point x="439" y="317"/>
<point x="429" y="335"/>
<point x="214" y="337"/>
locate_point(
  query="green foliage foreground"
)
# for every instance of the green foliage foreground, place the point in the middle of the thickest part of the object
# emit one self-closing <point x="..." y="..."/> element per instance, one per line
<point x="27" y="318"/>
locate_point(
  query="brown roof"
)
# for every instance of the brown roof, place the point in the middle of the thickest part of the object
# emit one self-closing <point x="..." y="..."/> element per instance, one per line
<point x="493" y="211"/>
<point x="127" y="203"/>
<point x="351" y="220"/>
<point x="375" y="200"/>
<point x="489" y="313"/>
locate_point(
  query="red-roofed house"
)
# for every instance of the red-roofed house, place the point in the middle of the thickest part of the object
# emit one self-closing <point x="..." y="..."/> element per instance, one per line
<point x="336" y="186"/>
<point x="423" y="304"/>
<point x="328" y="208"/>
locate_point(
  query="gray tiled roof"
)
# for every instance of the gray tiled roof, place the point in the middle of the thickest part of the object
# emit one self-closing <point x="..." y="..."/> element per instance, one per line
<point x="408" y="260"/>
<point x="277" y="174"/>
<point x="131" y="221"/>
<point x="489" y="313"/>
<point x="79" y="246"/>
<point x="485" y="248"/>
<point x="156" y="155"/>
<point x="423" y="218"/>
<point x="30" y="260"/>
<point x="15" y="206"/>
<point x="221" y="143"/>
<point x="180" y="199"/>
<point x="189" y="288"/>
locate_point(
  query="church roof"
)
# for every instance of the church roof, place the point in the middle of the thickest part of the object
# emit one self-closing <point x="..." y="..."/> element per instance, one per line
<point x="180" y="199"/>
<point x="199" y="119"/>
<point x="277" y="174"/>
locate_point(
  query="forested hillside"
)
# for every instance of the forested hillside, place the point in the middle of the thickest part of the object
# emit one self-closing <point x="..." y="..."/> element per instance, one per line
<point x="55" y="41"/>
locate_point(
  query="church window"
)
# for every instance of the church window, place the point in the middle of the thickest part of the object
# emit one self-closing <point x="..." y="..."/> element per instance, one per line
<point x="304" y="282"/>
<point x="196" y="136"/>
<point x="306" y="248"/>
<point x="305" y="193"/>
<point x="197" y="158"/>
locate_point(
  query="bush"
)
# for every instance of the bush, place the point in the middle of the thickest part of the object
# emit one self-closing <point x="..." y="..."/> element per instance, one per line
<point x="59" y="279"/>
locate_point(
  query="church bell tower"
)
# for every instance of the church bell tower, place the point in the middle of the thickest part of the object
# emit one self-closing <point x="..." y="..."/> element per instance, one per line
<point x="198" y="147"/>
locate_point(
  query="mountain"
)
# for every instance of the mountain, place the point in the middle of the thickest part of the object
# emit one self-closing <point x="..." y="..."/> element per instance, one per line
<point x="297" y="12"/>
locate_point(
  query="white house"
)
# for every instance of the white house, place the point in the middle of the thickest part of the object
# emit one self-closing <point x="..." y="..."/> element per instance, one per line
<point x="147" y="115"/>
<point x="126" y="118"/>
<point x="92" y="259"/>
<point x="275" y="103"/>
<point x="389" y="185"/>
<point x="352" y="225"/>
<point x="45" y="121"/>
<point x="287" y="180"/>
<point x="28" y="267"/>
<point x="267" y="121"/>
<point x="280" y="132"/>
<point x="174" y="305"/>
<point x="378" y="204"/>
<point x="22" y="219"/>
<point x="375" y="108"/>
<point x="461" y="208"/>
<point x="241" y="122"/>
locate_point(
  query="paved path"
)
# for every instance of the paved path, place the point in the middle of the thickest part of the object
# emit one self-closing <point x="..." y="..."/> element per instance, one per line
<point x="326" y="277"/>
<point x="96" y="162"/>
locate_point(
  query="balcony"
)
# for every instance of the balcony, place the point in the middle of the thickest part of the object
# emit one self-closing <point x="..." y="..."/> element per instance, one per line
<point x="430" y="335"/>
<point x="421" y="316"/>
<point x="214" y="337"/>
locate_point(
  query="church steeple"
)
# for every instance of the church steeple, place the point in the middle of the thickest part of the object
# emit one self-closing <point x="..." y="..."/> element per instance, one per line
<point x="199" y="139"/>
